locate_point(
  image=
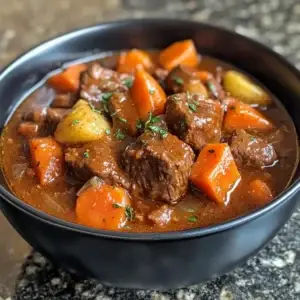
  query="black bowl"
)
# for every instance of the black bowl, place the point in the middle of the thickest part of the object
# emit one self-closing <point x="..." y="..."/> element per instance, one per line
<point x="140" y="260"/>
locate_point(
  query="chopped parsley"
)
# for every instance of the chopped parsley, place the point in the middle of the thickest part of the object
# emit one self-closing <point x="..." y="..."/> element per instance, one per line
<point x="193" y="219"/>
<point x="139" y="124"/>
<point x="192" y="107"/>
<point x="129" y="213"/>
<point x="178" y="80"/>
<point x="86" y="154"/>
<point x="151" y="91"/>
<point x="128" y="82"/>
<point x="106" y="96"/>
<point x="122" y="120"/>
<point x="159" y="130"/>
<point x="107" y="131"/>
<point x="116" y="205"/>
<point x="119" y="135"/>
<point x="94" y="109"/>
<point x="213" y="89"/>
<point x="252" y="139"/>
<point x="75" y="122"/>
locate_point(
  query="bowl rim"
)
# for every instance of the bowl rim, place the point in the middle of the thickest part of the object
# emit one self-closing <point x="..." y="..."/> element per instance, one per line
<point x="9" y="197"/>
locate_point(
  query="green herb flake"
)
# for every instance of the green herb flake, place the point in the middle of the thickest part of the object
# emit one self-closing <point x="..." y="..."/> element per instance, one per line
<point x="151" y="91"/>
<point x="193" y="219"/>
<point x="86" y="154"/>
<point x="75" y="122"/>
<point x="116" y="205"/>
<point x="122" y="120"/>
<point x="128" y="82"/>
<point x="252" y="139"/>
<point x="119" y="135"/>
<point x="139" y="124"/>
<point x="178" y="80"/>
<point x="107" y="131"/>
<point x="192" y="107"/>
<point x="93" y="108"/>
<point x="159" y="130"/>
<point x="106" y="96"/>
<point x="129" y="213"/>
<point x="213" y="89"/>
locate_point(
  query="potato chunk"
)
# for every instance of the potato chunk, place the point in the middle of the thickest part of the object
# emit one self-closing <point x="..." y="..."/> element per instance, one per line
<point x="82" y="124"/>
<point x="240" y="86"/>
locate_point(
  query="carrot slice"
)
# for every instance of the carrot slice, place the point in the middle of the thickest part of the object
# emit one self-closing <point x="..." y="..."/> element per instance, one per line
<point x="129" y="61"/>
<point x="260" y="192"/>
<point x="104" y="207"/>
<point x="148" y="96"/>
<point x="215" y="172"/>
<point x="179" y="53"/>
<point x="67" y="81"/>
<point x="242" y="116"/>
<point x="47" y="159"/>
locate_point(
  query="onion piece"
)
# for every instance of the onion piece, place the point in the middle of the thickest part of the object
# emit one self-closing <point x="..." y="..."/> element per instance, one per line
<point x="93" y="182"/>
<point x="18" y="170"/>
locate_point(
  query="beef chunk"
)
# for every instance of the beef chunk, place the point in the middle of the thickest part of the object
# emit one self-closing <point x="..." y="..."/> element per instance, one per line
<point x="63" y="101"/>
<point x="36" y="115"/>
<point x="28" y="129"/>
<point x="196" y="122"/>
<point x="160" y="167"/>
<point x="123" y="112"/>
<point x="55" y="115"/>
<point x="250" y="150"/>
<point x="161" y="216"/>
<point x="98" y="80"/>
<point x="98" y="158"/>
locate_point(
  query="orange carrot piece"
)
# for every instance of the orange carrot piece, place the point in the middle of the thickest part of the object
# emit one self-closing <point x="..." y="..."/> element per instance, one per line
<point x="215" y="172"/>
<point x="148" y="96"/>
<point x="67" y="81"/>
<point x="104" y="207"/>
<point x="204" y="76"/>
<point x="47" y="159"/>
<point x="129" y="61"/>
<point x="260" y="192"/>
<point x="242" y="116"/>
<point x="179" y="53"/>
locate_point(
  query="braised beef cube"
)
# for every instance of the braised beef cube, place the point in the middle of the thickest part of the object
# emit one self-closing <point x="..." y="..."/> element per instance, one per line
<point x="63" y="101"/>
<point x="123" y="112"/>
<point x="98" y="158"/>
<point x="196" y="122"/>
<point x="160" y="167"/>
<point x="98" y="80"/>
<point x="28" y="129"/>
<point x="55" y="115"/>
<point x="161" y="216"/>
<point x="183" y="79"/>
<point x="251" y="150"/>
<point x="37" y="115"/>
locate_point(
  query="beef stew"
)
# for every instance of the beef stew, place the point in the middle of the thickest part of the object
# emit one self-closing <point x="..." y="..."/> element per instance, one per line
<point x="159" y="141"/>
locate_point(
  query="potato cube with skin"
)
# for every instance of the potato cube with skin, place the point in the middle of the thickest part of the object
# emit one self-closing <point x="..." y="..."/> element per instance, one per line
<point x="215" y="172"/>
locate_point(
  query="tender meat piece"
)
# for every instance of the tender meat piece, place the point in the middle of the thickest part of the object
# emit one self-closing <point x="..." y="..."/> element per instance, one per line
<point x="161" y="216"/>
<point x="98" y="158"/>
<point x="183" y="79"/>
<point x="196" y="122"/>
<point x="160" y="167"/>
<point x="37" y="115"/>
<point x="55" y="115"/>
<point x="123" y="113"/>
<point x="98" y="80"/>
<point x="63" y="101"/>
<point x="251" y="151"/>
<point x="28" y="129"/>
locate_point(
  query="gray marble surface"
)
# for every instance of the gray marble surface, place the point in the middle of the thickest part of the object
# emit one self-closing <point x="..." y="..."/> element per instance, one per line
<point x="274" y="273"/>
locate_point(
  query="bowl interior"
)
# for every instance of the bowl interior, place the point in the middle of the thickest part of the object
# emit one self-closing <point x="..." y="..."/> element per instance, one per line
<point x="269" y="68"/>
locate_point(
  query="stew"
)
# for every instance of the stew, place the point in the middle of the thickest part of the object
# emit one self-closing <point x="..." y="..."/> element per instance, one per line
<point x="149" y="141"/>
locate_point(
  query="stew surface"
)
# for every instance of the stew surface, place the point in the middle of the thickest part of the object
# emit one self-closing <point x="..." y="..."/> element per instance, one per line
<point x="149" y="141"/>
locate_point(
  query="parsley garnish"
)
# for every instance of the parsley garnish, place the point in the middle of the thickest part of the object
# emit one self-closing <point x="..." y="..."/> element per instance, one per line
<point x="129" y="213"/>
<point x="106" y="96"/>
<point x="107" y="131"/>
<point x="252" y="139"/>
<point x="193" y="219"/>
<point x="116" y="205"/>
<point x="86" y="154"/>
<point x="120" y="135"/>
<point x="178" y="80"/>
<point x="139" y="124"/>
<point x="128" y="82"/>
<point x="192" y="107"/>
<point x="213" y="89"/>
<point x="122" y="120"/>
<point x="94" y="109"/>
<point x="75" y="122"/>
<point x="151" y="91"/>
<point x="159" y="130"/>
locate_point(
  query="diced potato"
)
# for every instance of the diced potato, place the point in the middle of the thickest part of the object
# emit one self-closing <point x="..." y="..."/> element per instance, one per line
<point x="240" y="86"/>
<point x="82" y="124"/>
